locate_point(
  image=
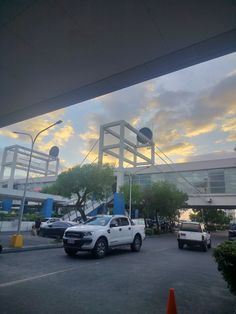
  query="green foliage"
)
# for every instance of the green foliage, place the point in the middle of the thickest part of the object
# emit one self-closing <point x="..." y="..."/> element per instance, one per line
<point x="136" y="194"/>
<point x="163" y="199"/>
<point x="90" y="181"/>
<point x="7" y="216"/>
<point x="159" y="199"/>
<point x="211" y="216"/>
<point x="225" y="256"/>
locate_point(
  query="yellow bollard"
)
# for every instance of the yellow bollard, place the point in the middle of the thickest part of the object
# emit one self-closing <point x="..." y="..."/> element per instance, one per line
<point x="17" y="241"/>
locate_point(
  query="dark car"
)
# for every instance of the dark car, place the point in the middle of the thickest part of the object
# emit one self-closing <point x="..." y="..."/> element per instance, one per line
<point x="232" y="232"/>
<point x="55" y="229"/>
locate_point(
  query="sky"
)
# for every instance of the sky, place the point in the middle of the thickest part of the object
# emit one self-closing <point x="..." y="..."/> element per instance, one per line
<point x="192" y="113"/>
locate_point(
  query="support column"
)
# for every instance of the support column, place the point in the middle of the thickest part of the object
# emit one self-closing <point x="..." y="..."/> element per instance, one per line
<point x="4" y="159"/>
<point x="6" y="205"/>
<point x="120" y="170"/>
<point x="153" y="153"/>
<point x="119" y="204"/>
<point x="101" y="144"/>
<point x="47" y="207"/>
<point x="13" y="168"/>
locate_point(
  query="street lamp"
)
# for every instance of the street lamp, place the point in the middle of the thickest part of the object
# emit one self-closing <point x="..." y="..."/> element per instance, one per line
<point x="130" y="194"/>
<point x="130" y="187"/>
<point x="18" y="239"/>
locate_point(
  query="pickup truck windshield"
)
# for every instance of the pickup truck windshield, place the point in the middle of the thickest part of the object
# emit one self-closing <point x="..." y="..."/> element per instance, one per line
<point x="190" y="227"/>
<point x="98" y="221"/>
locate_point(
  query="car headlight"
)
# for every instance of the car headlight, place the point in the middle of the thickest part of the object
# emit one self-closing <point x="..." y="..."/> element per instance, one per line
<point x="88" y="233"/>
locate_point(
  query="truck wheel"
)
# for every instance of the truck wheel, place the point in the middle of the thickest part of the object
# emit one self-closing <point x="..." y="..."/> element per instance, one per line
<point x="180" y="245"/>
<point x="70" y="252"/>
<point x="204" y="246"/>
<point x="209" y="245"/>
<point x="100" y="248"/>
<point x="137" y="243"/>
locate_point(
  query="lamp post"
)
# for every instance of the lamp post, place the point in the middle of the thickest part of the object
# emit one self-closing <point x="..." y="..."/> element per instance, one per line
<point x="130" y="194"/>
<point x="130" y="187"/>
<point x="33" y="140"/>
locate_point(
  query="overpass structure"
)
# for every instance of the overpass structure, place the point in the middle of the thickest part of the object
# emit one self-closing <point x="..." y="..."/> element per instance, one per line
<point x="58" y="53"/>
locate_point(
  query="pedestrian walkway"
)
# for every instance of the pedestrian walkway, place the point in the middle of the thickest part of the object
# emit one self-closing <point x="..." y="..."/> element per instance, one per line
<point x="30" y="242"/>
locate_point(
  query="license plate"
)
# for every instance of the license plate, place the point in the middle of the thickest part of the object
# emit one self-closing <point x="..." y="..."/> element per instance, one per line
<point x="71" y="241"/>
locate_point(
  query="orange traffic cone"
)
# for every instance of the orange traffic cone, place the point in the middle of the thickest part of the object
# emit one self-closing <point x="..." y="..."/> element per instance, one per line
<point x="171" y="304"/>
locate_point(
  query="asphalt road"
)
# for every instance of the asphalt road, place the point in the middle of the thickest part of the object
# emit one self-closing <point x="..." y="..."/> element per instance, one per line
<point x="124" y="282"/>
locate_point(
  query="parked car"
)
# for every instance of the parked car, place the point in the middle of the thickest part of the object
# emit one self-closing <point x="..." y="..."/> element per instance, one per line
<point x="101" y="233"/>
<point x="193" y="234"/>
<point x="50" y="220"/>
<point x="55" y="229"/>
<point x="232" y="232"/>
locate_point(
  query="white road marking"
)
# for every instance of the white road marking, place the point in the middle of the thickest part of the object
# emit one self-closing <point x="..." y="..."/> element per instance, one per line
<point x="15" y="282"/>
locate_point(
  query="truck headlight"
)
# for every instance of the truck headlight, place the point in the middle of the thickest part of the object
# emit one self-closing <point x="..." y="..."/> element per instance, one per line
<point x="88" y="233"/>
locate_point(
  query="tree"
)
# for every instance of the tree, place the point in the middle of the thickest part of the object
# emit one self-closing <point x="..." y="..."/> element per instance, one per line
<point x="87" y="182"/>
<point x="164" y="199"/>
<point x="210" y="216"/>
<point x="136" y="194"/>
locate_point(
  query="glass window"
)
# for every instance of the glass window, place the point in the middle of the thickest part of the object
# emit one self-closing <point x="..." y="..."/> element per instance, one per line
<point x="190" y="227"/>
<point x="98" y="221"/>
<point x="124" y="222"/>
<point x="216" y="181"/>
<point x="115" y="222"/>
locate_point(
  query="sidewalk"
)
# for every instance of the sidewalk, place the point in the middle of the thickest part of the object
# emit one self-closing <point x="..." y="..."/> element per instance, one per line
<point x="30" y="242"/>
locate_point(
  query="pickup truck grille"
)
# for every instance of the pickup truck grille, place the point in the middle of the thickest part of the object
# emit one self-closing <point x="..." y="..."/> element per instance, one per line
<point x="74" y="234"/>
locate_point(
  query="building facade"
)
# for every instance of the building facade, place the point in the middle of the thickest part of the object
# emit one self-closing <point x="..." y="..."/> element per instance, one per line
<point x="207" y="183"/>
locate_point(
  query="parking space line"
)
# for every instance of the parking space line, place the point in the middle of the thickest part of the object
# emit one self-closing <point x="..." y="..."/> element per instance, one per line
<point x="15" y="282"/>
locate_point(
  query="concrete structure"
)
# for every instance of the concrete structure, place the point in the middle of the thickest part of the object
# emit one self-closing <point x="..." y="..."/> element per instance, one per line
<point x="16" y="158"/>
<point x="210" y="183"/>
<point x="119" y="140"/>
<point x="58" y="53"/>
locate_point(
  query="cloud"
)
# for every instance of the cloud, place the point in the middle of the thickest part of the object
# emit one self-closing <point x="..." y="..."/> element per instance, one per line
<point x="211" y="156"/>
<point x="229" y="125"/>
<point x="202" y="130"/>
<point x="92" y="134"/>
<point x="181" y="149"/>
<point x="231" y="138"/>
<point x="175" y="116"/>
<point x="58" y="138"/>
<point x="8" y="133"/>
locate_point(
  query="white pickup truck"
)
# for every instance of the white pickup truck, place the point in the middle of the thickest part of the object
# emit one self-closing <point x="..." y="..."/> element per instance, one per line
<point x="193" y="234"/>
<point x="100" y="233"/>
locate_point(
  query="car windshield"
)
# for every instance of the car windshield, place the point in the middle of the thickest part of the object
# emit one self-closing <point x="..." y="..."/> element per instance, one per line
<point x="190" y="227"/>
<point x="99" y="221"/>
<point x="233" y="227"/>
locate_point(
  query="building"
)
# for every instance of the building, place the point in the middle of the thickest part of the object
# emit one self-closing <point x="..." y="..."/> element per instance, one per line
<point x="207" y="183"/>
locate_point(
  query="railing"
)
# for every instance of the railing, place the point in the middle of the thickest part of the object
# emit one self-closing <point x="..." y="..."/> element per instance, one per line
<point x="88" y="208"/>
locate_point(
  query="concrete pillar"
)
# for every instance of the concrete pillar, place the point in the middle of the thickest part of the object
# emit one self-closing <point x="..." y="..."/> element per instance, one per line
<point x="101" y="144"/>
<point x="6" y="205"/>
<point x="47" y="207"/>
<point x="4" y="159"/>
<point x="119" y="204"/>
<point x="10" y="183"/>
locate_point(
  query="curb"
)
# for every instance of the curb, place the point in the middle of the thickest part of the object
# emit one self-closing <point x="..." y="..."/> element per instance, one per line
<point x="31" y="248"/>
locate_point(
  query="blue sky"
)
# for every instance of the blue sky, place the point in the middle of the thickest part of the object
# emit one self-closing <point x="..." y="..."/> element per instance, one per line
<point x="192" y="113"/>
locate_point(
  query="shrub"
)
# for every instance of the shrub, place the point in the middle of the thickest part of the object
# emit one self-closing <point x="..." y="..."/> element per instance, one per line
<point x="225" y="256"/>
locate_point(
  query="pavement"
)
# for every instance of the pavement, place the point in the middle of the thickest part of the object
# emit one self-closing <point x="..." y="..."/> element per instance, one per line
<point x="49" y="281"/>
<point x="30" y="242"/>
